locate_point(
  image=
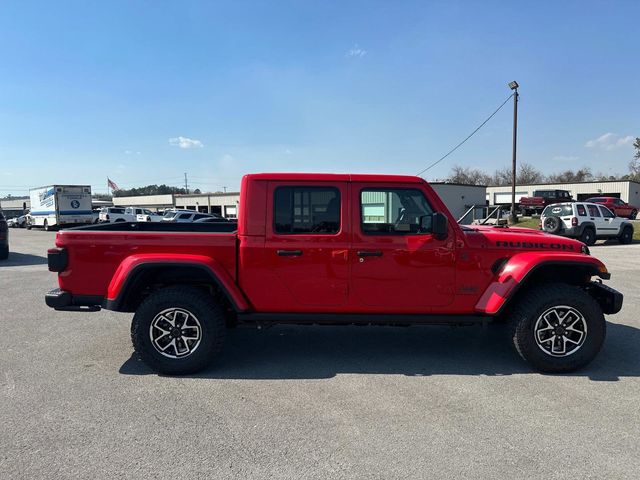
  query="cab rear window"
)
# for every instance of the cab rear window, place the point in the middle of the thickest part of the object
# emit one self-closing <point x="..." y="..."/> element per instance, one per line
<point x="557" y="211"/>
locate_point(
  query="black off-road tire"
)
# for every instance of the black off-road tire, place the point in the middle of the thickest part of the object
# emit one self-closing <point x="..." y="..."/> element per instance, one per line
<point x="202" y="306"/>
<point x="552" y="224"/>
<point x="588" y="236"/>
<point x="533" y="304"/>
<point x="626" y="236"/>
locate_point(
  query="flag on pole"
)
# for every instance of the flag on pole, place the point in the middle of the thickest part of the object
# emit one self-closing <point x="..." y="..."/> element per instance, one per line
<point x="112" y="184"/>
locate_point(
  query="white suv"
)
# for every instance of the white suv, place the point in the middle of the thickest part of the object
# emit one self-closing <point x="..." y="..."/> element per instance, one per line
<point x="123" y="214"/>
<point x="587" y="222"/>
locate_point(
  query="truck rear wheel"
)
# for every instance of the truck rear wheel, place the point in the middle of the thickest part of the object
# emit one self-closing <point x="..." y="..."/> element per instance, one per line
<point x="178" y="330"/>
<point x="557" y="328"/>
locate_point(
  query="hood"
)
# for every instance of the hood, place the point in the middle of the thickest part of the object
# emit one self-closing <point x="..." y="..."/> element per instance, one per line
<point x="517" y="238"/>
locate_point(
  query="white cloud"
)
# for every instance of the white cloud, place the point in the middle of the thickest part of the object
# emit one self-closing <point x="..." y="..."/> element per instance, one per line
<point x="355" y="52"/>
<point x="226" y="160"/>
<point x="610" y="141"/>
<point x="184" y="142"/>
<point x="566" y="158"/>
<point x="131" y="152"/>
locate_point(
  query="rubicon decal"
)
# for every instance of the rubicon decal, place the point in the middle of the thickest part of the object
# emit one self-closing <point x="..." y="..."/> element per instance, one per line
<point x="540" y="245"/>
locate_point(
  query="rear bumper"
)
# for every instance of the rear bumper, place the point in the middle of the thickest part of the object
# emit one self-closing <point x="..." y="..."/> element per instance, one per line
<point x="65" y="301"/>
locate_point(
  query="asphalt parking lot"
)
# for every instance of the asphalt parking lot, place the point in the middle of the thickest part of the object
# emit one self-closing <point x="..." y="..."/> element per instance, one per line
<point x="307" y="402"/>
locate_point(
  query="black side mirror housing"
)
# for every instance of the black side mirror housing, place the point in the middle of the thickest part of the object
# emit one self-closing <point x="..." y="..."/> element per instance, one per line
<point x="437" y="223"/>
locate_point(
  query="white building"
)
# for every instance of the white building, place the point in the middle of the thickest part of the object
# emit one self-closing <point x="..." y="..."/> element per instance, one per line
<point x="459" y="197"/>
<point x="626" y="190"/>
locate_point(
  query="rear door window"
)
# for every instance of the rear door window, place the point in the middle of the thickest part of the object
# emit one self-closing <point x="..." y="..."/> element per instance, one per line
<point x="593" y="211"/>
<point x="184" y="216"/>
<point x="306" y="210"/>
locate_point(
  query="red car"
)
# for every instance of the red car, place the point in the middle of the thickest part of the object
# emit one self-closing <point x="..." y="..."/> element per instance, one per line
<point x="617" y="206"/>
<point x="334" y="249"/>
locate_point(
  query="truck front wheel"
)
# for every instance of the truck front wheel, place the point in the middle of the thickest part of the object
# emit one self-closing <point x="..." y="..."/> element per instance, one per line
<point x="557" y="328"/>
<point x="178" y="330"/>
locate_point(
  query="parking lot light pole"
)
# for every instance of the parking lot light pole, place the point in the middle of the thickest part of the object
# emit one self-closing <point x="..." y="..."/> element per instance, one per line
<point x="514" y="86"/>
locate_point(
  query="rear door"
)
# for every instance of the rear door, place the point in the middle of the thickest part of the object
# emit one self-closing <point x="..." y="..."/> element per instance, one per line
<point x="307" y="246"/>
<point x="596" y="217"/>
<point x="395" y="266"/>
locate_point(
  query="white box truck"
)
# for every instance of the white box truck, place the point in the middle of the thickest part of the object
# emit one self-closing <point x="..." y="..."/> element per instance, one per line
<point x="56" y="206"/>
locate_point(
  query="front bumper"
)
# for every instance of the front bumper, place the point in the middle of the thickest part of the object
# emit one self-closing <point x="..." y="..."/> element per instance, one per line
<point x="62" y="300"/>
<point x="610" y="300"/>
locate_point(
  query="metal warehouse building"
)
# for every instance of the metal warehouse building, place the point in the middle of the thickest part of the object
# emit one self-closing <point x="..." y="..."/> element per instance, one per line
<point x="626" y="190"/>
<point x="225" y="204"/>
<point x="459" y="197"/>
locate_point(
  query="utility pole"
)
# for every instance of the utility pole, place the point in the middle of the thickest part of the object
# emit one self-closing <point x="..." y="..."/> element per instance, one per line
<point x="225" y="189"/>
<point x="186" y="185"/>
<point x="514" y="86"/>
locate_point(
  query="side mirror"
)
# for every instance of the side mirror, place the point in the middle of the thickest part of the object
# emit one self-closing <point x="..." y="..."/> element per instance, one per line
<point x="436" y="223"/>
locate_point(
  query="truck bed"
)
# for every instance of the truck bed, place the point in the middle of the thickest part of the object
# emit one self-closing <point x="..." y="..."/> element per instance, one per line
<point x="96" y="252"/>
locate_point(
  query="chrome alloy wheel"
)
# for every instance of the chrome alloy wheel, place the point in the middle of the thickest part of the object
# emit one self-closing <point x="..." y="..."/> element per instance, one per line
<point x="175" y="332"/>
<point x="560" y="331"/>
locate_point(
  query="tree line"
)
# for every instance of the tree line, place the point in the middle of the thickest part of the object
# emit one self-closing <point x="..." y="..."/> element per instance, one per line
<point x="528" y="174"/>
<point x="152" y="190"/>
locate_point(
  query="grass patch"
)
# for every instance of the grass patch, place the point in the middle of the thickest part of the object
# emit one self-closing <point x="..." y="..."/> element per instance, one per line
<point x="528" y="223"/>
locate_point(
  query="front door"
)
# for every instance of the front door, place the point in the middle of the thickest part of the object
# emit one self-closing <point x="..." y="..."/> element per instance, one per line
<point x="610" y="224"/>
<point x="396" y="265"/>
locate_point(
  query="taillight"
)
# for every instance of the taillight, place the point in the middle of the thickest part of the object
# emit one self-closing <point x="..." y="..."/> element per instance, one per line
<point x="574" y="222"/>
<point x="57" y="259"/>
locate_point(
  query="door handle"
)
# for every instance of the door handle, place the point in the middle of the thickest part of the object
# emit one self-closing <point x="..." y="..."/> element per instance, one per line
<point x="289" y="253"/>
<point x="369" y="253"/>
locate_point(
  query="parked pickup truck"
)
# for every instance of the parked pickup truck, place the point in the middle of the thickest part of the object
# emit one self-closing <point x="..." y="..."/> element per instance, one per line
<point x="334" y="249"/>
<point x="542" y="198"/>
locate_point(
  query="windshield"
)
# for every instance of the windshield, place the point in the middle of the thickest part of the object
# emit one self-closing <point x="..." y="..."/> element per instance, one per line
<point x="169" y="214"/>
<point x="557" y="210"/>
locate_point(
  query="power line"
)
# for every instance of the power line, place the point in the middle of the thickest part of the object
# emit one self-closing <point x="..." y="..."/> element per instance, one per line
<point x="463" y="141"/>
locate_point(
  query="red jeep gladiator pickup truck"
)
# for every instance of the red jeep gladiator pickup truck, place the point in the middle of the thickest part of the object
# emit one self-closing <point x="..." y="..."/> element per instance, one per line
<point x="334" y="249"/>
